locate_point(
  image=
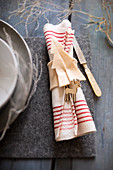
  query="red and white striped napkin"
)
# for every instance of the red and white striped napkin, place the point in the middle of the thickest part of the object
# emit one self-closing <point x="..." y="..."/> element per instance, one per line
<point x="70" y="119"/>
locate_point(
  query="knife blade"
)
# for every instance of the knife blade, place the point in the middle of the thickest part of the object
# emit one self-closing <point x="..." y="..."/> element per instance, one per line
<point x="83" y="61"/>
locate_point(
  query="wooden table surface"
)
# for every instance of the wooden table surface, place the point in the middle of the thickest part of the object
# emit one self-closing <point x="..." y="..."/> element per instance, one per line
<point x="102" y="61"/>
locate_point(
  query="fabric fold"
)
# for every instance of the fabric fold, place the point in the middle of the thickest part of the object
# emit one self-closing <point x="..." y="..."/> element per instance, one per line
<point x="71" y="119"/>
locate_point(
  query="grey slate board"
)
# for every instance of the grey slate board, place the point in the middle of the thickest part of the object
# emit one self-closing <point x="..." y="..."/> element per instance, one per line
<point x="32" y="134"/>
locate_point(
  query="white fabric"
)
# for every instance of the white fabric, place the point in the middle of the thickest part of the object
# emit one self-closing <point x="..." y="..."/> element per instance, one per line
<point x="70" y="119"/>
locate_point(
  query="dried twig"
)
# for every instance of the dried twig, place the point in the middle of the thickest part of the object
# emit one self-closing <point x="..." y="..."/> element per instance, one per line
<point x="29" y="11"/>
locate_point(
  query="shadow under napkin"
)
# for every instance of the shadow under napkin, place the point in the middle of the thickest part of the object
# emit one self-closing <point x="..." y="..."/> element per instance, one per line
<point x="32" y="134"/>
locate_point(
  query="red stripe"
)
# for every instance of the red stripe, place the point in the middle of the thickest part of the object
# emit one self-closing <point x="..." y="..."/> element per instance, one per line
<point x="63" y="109"/>
<point x="59" y="37"/>
<point x="54" y="32"/>
<point x="57" y="106"/>
<point x="66" y="51"/>
<point x="48" y="45"/>
<point x="73" y="111"/>
<point x="75" y="118"/>
<point x="57" y="119"/>
<point x="62" y="113"/>
<point x="67" y="33"/>
<point x="65" y="128"/>
<point x="74" y="124"/>
<point x="57" y="123"/>
<point x="82" y="113"/>
<point x="84" y="117"/>
<point x="59" y="32"/>
<point x="69" y="108"/>
<point x="65" y="47"/>
<point x="67" y="112"/>
<point x="81" y="109"/>
<point x="57" y="111"/>
<point x="69" y="124"/>
<point x="81" y="105"/>
<point x="63" y="123"/>
<point x="65" y="120"/>
<point x="48" y="41"/>
<point x="67" y="37"/>
<point x="47" y="38"/>
<point x="57" y="115"/>
<point x="58" y="41"/>
<point x="85" y="121"/>
<point x="65" y="43"/>
<point x="72" y="119"/>
<point x="49" y="49"/>
<point x="80" y="101"/>
<point x="54" y="36"/>
<point x="64" y="117"/>
<point x="68" y="41"/>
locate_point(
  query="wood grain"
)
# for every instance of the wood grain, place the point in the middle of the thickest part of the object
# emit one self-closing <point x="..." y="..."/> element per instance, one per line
<point x="102" y="62"/>
<point x="7" y="6"/>
<point x="92" y="81"/>
<point x="6" y="164"/>
<point x="63" y="164"/>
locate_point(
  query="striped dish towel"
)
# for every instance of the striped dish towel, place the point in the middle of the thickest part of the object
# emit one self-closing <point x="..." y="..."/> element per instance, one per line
<point x="70" y="119"/>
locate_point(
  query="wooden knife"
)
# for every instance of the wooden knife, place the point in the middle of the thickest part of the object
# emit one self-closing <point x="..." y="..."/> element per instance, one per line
<point x="83" y="61"/>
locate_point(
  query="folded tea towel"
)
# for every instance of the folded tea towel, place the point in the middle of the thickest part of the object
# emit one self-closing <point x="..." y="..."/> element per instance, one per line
<point x="71" y="119"/>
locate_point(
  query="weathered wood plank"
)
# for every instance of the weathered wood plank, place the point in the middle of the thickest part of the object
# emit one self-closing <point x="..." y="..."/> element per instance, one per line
<point x="46" y="164"/>
<point x="83" y="164"/>
<point x="26" y="164"/>
<point x="9" y="5"/>
<point x="6" y="164"/>
<point x="102" y="62"/>
<point x="63" y="164"/>
<point x="30" y="164"/>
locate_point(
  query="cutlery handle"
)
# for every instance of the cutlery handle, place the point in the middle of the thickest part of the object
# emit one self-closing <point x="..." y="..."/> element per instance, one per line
<point x="92" y="81"/>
